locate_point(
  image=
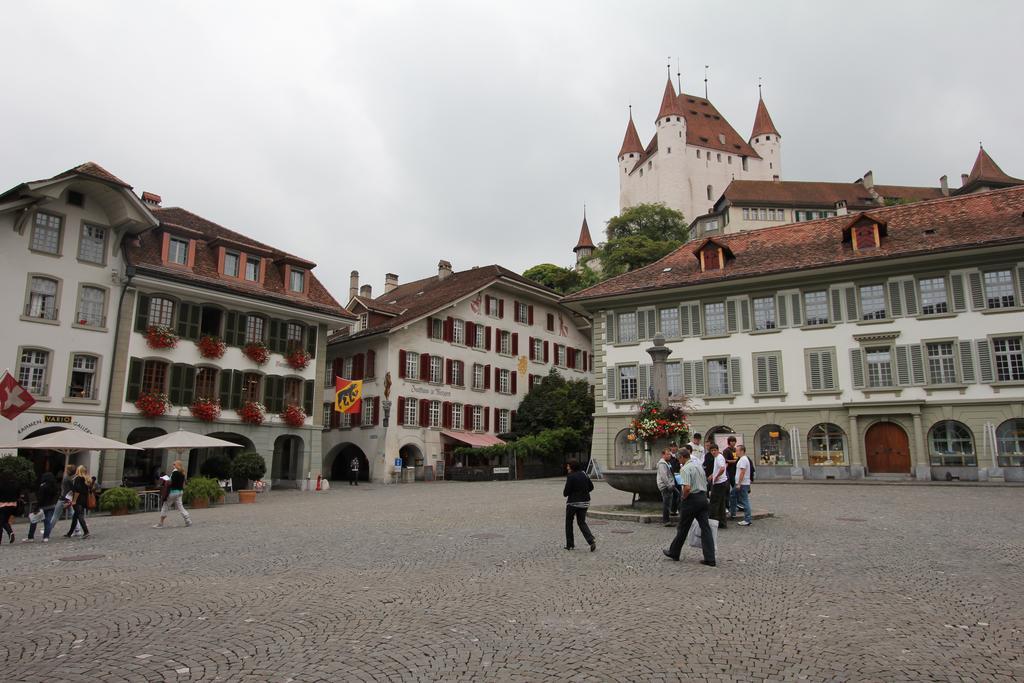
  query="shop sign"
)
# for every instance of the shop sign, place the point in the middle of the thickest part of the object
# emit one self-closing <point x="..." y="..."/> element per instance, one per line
<point x="57" y="419"/>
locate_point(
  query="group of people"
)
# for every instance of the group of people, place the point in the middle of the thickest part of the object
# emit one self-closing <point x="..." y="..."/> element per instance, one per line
<point x="75" y="495"/>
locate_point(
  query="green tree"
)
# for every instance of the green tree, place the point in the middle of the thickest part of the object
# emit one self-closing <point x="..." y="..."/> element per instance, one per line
<point x="641" y="235"/>
<point x="555" y="403"/>
<point x="562" y="280"/>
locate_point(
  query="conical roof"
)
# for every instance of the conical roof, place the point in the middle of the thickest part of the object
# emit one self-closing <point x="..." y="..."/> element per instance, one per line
<point x="585" y="241"/>
<point x="763" y="121"/>
<point x="631" y="143"/>
<point x="987" y="172"/>
<point x="669" y="104"/>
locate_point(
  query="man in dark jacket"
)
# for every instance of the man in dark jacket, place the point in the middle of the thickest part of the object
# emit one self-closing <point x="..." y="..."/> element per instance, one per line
<point x="577" y="492"/>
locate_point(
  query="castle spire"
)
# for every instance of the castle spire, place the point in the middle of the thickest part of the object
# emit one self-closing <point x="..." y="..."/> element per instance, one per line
<point x="669" y="104"/>
<point x="585" y="241"/>
<point x="987" y="172"/>
<point x="762" y="120"/>
<point x="631" y="143"/>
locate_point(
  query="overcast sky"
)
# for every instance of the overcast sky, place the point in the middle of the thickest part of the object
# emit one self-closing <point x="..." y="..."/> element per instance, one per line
<point x="384" y="136"/>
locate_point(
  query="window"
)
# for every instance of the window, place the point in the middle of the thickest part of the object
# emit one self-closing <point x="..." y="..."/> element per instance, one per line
<point x="505" y="342"/>
<point x="254" y="326"/>
<point x="675" y="378"/>
<point x="1010" y="443"/>
<point x="999" y="289"/>
<point x="293" y="336"/>
<point x="364" y="321"/>
<point x="436" y="369"/>
<point x="458" y="332"/>
<point x="698" y="154"/>
<point x="771" y="446"/>
<point x="669" y="319"/>
<point x="933" y="296"/>
<point x="206" y="383"/>
<point x="252" y="270"/>
<point x="32" y="371"/>
<point x="821" y="365"/>
<point x="457" y="414"/>
<point x="538" y="350"/>
<point x="714" y="319"/>
<point x="457" y="373"/>
<point x="347" y="365"/>
<point x="879" y="360"/>
<point x="768" y="373"/>
<point x="161" y="312"/>
<point x="91" y="305"/>
<point x="1009" y="359"/>
<point x="504" y="381"/>
<point x="328" y="412"/>
<point x="91" y="244"/>
<point x="718" y="376"/>
<point x="177" y="251"/>
<point x="711" y="190"/>
<point x="42" y="298"/>
<point x="560" y="355"/>
<point x="46" y="233"/>
<point x="154" y="377"/>
<point x="296" y="280"/>
<point x="367" y="413"/>
<point x="872" y="302"/>
<point x="627" y="327"/>
<point x="251" y="387"/>
<point x="83" y="376"/>
<point x="522" y="312"/>
<point x="411" y="417"/>
<point x="504" y="421"/>
<point x="478" y="376"/>
<point x="628" y="382"/>
<point x="434" y="413"/>
<point x="950" y="443"/>
<point x="480" y="335"/>
<point x="826" y="445"/>
<point x="551" y="322"/>
<point x="231" y="263"/>
<point x="941" y="363"/>
<point x="412" y="365"/>
<point x="293" y="391"/>
<point x="478" y="418"/>
<point x="816" y="308"/>
<point x="493" y="307"/>
<point x="764" y="313"/>
<point x="436" y="329"/>
<point x="345" y="420"/>
<point x="762" y="214"/>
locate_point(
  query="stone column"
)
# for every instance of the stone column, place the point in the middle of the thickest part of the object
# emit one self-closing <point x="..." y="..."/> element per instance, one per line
<point x="659" y="375"/>
<point x="856" y="462"/>
<point x="919" y="456"/>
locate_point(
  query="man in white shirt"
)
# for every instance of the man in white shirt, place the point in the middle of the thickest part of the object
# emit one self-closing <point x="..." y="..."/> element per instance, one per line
<point x="742" y="488"/>
<point x="697" y="450"/>
<point x="719" y="486"/>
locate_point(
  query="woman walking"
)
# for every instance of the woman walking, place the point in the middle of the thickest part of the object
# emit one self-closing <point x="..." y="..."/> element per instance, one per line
<point x="174" y="490"/>
<point x="79" y="498"/>
<point x="9" y="491"/>
<point x="46" y="501"/>
<point x="577" y="492"/>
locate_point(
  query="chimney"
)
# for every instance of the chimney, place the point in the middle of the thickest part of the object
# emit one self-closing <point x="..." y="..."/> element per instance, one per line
<point x="366" y="291"/>
<point x="390" y="282"/>
<point x="444" y="270"/>
<point x="869" y="179"/>
<point x="353" y="285"/>
<point x="944" y="184"/>
<point x="841" y="208"/>
<point x="963" y="179"/>
<point x="150" y="199"/>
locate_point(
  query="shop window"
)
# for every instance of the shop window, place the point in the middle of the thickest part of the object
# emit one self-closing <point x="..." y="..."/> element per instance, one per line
<point x="950" y="444"/>
<point x="826" y="445"/>
<point x="772" y="446"/>
<point x="1010" y="443"/>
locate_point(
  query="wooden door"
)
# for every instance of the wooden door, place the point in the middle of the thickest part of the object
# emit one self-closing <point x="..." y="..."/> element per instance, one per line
<point x="888" y="449"/>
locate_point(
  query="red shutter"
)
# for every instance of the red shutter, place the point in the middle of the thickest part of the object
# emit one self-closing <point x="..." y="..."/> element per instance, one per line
<point x="430" y="328"/>
<point x="376" y="410"/>
<point x="546" y="354"/>
<point x="497" y="375"/>
<point x="487" y="337"/>
<point x="448" y="370"/>
<point x="446" y="415"/>
<point x="467" y="418"/>
<point x="487" y="419"/>
<point x="511" y="420"/>
<point x="501" y="308"/>
<point x="371" y="363"/>
<point x="487" y="377"/>
<point x="335" y="420"/>
<point x="449" y="329"/>
<point x="513" y="381"/>
<point x="584" y="363"/>
<point x="529" y="351"/>
<point x="336" y="365"/>
<point x="571" y="357"/>
<point x="529" y="314"/>
<point x="515" y="310"/>
<point x="424" y="366"/>
<point x="424" y="412"/>
<point x="470" y="339"/>
<point x="487" y="305"/>
<point x="400" y="420"/>
<point x="358" y="366"/>
<point x="515" y="343"/>
<point x="401" y="364"/>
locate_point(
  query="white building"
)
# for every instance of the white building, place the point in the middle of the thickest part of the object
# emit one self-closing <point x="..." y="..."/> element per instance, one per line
<point x="445" y="361"/>
<point x="61" y="260"/>
<point x="887" y="343"/>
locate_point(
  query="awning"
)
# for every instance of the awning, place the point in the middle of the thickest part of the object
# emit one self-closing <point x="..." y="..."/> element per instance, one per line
<point x="475" y="440"/>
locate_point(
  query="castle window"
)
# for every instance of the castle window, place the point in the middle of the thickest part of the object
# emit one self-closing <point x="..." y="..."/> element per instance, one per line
<point x="649" y="165"/>
<point x="711" y="191"/>
<point x="668" y="150"/>
<point x="680" y="133"/>
<point x="641" y="173"/>
<point x="729" y="159"/>
<point x="719" y="159"/>
<point x="698" y="154"/>
<point x="757" y="139"/>
<point x="745" y="164"/>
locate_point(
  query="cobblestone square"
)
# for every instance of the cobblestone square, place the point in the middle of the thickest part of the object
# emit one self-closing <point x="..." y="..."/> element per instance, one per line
<point x="450" y="581"/>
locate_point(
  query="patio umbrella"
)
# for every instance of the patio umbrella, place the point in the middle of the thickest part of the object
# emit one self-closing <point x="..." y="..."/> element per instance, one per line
<point x="67" y="441"/>
<point x="184" y="441"/>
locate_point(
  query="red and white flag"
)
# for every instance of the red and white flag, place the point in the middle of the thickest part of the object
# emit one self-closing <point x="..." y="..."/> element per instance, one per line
<point x="14" y="398"/>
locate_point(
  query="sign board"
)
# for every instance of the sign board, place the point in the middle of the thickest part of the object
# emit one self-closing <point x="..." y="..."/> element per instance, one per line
<point x="57" y="419"/>
<point x="501" y="470"/>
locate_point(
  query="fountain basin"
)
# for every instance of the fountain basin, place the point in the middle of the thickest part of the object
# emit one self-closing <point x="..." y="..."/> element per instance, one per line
<point x="644" y="483"/>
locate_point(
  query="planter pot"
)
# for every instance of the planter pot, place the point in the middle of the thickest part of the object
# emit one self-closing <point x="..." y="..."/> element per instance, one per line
<point x="117" y="512"/>
<point x="199" y="504"/>
<point x="246" y="496"/>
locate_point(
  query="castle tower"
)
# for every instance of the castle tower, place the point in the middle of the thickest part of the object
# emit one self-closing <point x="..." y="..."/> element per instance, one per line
<point x="765" y="139"/>
<point x="629" y="155"/>
<point x="584" y="248"/>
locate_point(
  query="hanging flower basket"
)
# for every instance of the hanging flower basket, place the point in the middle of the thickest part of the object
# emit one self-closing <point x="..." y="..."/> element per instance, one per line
<point x="205" y="409"/>
<point x="294" y="416"/>
<point x="160" y="337"/>
<point x="257" y="352"/>
<point x="152" y="404"/>
<point x="298" y="359"/>
<point x="252" y="412"/>
<point x="210" y="346"/>
<point x="654" y="422"/>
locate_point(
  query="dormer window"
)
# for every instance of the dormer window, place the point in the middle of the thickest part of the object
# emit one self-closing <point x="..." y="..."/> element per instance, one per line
<point x="712" y="256"/>
<point x="177" y="251"/>
<point x="231" y="263"/>
<point x="297" y="280"/>
<point x="865" y="232"/>
<point x="252" y="268"/>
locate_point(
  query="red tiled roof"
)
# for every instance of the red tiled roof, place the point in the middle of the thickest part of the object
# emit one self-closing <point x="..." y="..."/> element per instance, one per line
<point x="669" y="102"/>
<point x="631" y="143"/>
<point x="763" y="121"/>
<point x="585" y="241"/>
<point x="379" y="306"/>
<point x="91" y="168"/>
<point x="948" y="224"/>
<point x="986" y="172"/>
<point x="146" y="257"/>
<point x="909" y="193"/>
<point x="797" y="193"/>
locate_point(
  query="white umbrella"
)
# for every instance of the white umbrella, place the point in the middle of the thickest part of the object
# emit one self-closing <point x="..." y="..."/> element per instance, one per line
<point x="69" y="441"/>
<point x="183" y="441"/>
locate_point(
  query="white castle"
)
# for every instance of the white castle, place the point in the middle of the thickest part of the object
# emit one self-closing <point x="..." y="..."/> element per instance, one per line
<point x="694" y="154"/>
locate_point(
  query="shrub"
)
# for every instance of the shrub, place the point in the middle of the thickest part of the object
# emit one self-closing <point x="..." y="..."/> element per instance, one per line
<point x="19" y="469"/>
<point x="249" y="466"/>
<point x="119" y="498"/>
<point x="202" y="487"/>
<point x="217" y="466"/>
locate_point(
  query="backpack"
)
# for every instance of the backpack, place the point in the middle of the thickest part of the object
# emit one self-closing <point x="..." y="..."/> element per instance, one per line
<point x="752" y="468"/>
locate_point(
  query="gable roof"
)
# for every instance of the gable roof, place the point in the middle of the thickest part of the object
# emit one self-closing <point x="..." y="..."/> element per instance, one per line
<point x="947" y="224"/>
<point x="986" y="173"/>
<point x="91" y="168"/>
<point x="378" y="306"/>
<point x="763" y="121"/>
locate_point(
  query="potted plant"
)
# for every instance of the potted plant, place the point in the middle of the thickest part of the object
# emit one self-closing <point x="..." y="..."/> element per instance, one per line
<point x="294" y="416"/>
<point x="205" y="409"/>
<point x="161" y="337"/>
<point x="252" y="412"/>
<point x="217" y="466"/>
<point x="201" y="491"/>
<point x="19" y="469"/>
<point x="250" y="467"/>
<point x="257" y="352"/>
<point x="298" y="359"/>
<point x="152" y="404"/>
<point x="211" y="346"/>
<point x="119" y="500"/>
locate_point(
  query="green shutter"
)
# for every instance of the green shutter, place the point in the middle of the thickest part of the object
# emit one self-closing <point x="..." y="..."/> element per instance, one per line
<point x="917" y="364"/>
<point x="684" y="320"/>
<point x="311" y="342"/>
<point x="307" y="396"/>
<point x="271" y="394"/>
<point x="735" y="380"/>
<point x="695" y="328"/>
<point x="611" y="377"/>
<point x="796" y="309"/>
<point x="698" y="377"/>
<point x="966" y="362"/>
<point x="276" y="337"/>
<point x="644" y="380"/>
<point x="134" y="379"/>
<point x="814" y="381"/>
<point x="977" y="293"/>
<point x="895" y="300"/>
<point x="910" y="296"/>
<point x="761" y="373"/>
<point x="774" y="373"/>
<point x="174" y="394"/>
<point x="956" y="282"/>
<point x="687" y="377"/>
<point x="828" y="370"/>
<point x="730" y="316"/>
<point x="985" y="370"/>
<point x="641" y="326"/>
<point x="902" y="365"/>
<point x="851" y="304"/>
<point x="230" y="323"/>
<point x="857" y="368"/>
<point x="235" y="400"/>
<point x="225" y="389"/>
<point x="188" y="320"/>
<point x="1020" y="285"/>
<point x="609" y="328"/>
<point x="745" y="314"/>
<point x="780" y="311"/>
<point x="142" y="313"/>
<point x="837" y="305"/>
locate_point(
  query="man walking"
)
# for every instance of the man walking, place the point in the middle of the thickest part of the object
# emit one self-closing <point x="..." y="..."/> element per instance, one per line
<point x="719" y="486"/>
<point x="577" y="493"/>
<point x="741" y="491"/>
<point x="666" y="485"/>
<point x="676" y="457"/>
<point x="693" y="506"/>
<point x="66" y="483"/>
<point x="353" y="471"/>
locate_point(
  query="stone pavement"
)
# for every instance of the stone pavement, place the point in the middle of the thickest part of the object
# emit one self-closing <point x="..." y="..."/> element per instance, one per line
<point x="454" y="581"/>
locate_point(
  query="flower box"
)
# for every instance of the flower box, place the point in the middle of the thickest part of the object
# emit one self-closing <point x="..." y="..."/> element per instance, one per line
<point x="294" y="416"/>
<point x="205" y="409"/>
<point x="152" y="404"/>
<point x="653" y="422"/>
<point x="211" y="347"/>
<point x="257" y="352"/>
<point x="160" y="337"/>
<point x="298" y="359"/>
<point x="252" y="413"/>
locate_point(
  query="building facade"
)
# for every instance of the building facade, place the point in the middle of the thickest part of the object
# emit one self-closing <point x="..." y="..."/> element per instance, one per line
<point x="445" y="362"/>
<point x="887" y="343"/>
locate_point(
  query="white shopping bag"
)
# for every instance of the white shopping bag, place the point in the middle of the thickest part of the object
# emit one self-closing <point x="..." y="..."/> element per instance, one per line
<point x="694" y="534"/>
<point x="325" y="485"/>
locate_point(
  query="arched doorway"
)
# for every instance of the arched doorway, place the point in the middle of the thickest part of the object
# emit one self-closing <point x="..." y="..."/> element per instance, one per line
<point x="338" y="460"/>
<point x="46" y="461"/>
<point x="717" y="435"/>
<point x="200" y="455"/>
<point x="887" y="448"/>
<point x="287" y="462"/>
<point x="411" y="455"/>
<point x="143" y="468"/>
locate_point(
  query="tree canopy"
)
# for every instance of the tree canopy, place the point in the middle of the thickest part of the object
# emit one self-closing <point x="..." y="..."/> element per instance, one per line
<point x="641" y="235"/>
<point x="562" y="280"/>
<point x="555" y="403"/>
